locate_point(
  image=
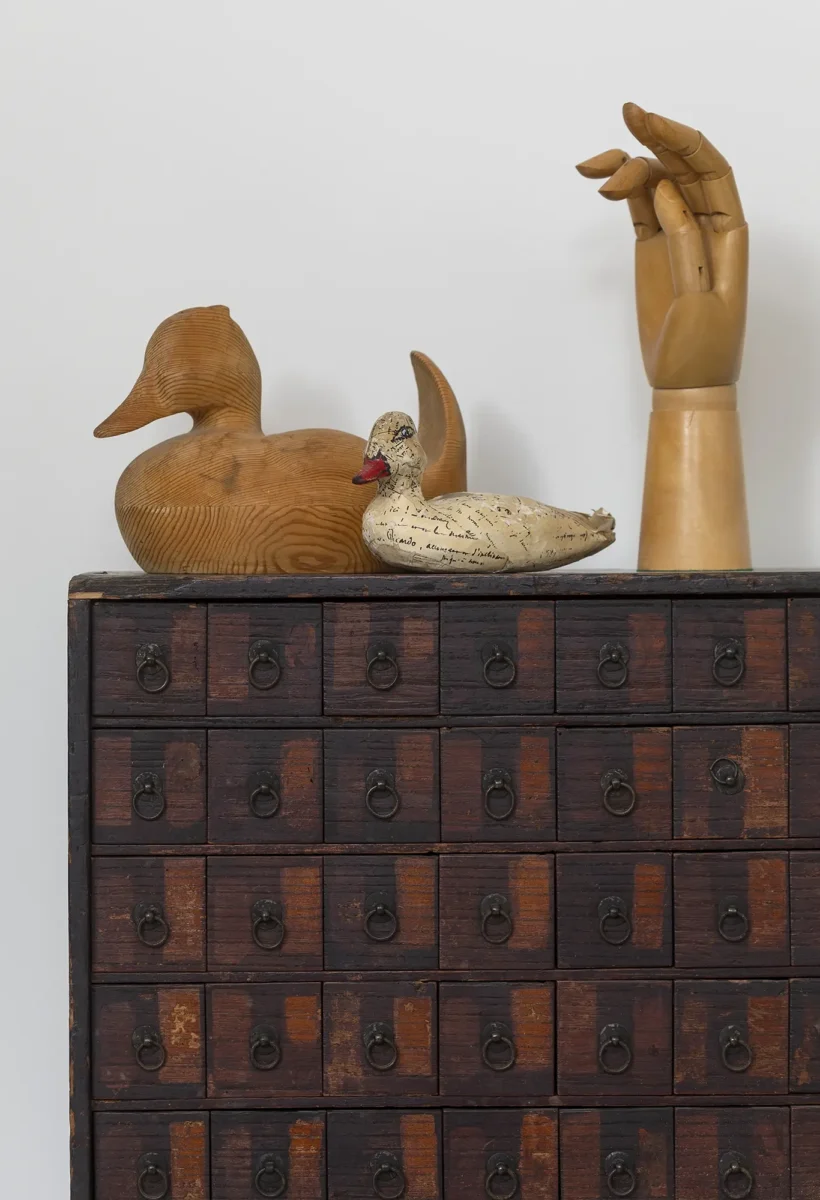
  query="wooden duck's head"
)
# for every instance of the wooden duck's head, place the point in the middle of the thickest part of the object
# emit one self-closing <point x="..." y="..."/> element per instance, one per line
<point x="197" y="361"/>
<point x="394" y="454"/>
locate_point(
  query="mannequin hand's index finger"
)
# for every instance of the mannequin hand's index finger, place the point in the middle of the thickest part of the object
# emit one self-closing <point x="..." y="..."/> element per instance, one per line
<point x="692" y="146"/>
<point x="601" y="166"/>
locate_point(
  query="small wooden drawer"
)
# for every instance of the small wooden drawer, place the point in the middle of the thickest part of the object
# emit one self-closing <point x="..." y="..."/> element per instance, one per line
<point x="804" y="654"/>
<point x="725" y="1153"/>
<point x="264" y="786"/>
<point x="731" y="1037"/>
<point x="148" y="787"/>
<point x="731" y="910"/>
<point x="384" y="1152"/>
<point x="618" y="1152"/>
<point x="804" y="780"/>
<point x="381" y="785"/>
<point x="498" y="785"/>
<point x="496" y="1039"/>
<point x="265" y="1040"/>
<point x="804" y="1035"/>
<point x="257" y="1154"/>
<point x="731" y="782"/>
<point x="614" y="784"/>
<point x="148" y="660"/>
<point x="496" y="911"/>
<point x="501" y="1152"/>
<point x="613" y="656"/>
<point x="805" y="1140"/>
<point x="264" y="660"/>
<point x="804" y="885"/>
<point x="380" y="1039"/>
<point x="381" y="912"/>
<point x="498" y="657"/>
<point x="149" y="1043"/>
<point x="614" y="910"/>
<point x="265" y="914"/>
<point x="153" y="1154"/>
<point x="729" y="654"/>
<point x="381" y="659"/>
<point x="148" y="914"/>
<point x="614" y="1038"/>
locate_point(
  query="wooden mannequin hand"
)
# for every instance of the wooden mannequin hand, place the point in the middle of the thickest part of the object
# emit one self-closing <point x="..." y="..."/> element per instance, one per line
<point x="691" y="254"/>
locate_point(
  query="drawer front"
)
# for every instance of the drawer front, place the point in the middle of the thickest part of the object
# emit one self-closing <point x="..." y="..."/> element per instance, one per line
<point x="500" y="1153"/>
<point x="614" y="910"/>
<point x="148" y="660"/>
<point x="498" y="657"/>
<point x="805" y="1142"/>
<point x="498" y="785"/>
<point x="257" y="1154"/>
<point x="731" y="1037"/>
<point x="164" y="1154"/>
<point x="148" y="1043"/>
<point x="804" y="654"/>
<point x="381" y="785"/>
<point x="804" y="880"/>
<point x="731" y="782"/>
<point x="387" y="1153"/>
<point x="265" y="914"/>
<point x="614" y="784"/>
<point x="618" y="1152"/>
<point x="496" y="911"/>
<point x="380" y="1039"/>
<point x="381" y="912"/>
<point x="265" y="1039"/>
<point x="804" y="777"/>
<point x="613" y="656"/>
<point x="732" y="1152"/>
<point x="731" y="910"/>
<point x="148" y="787"/>
<point x="496" y="1039"/>
<point x="264" y="660"/>
<point x="729" y="654"/>
<point x="614" y="1039"/>
<point x="264" y="786"/>
<point x="804" y="1035"/>
<point x="148" y="914"/>
<point x="381" y="659"/>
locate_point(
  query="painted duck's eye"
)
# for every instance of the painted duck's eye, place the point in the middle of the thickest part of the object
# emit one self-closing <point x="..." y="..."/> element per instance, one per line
<point x="406" y="431"/>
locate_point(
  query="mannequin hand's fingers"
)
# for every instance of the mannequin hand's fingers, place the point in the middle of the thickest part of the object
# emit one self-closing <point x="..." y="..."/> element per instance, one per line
<point x="601" y="166"/>
<point x="632" y="187"/>
<point x="722" y="202"/>
<point x="644" y="218"/>
<point x="687" y="256"/>
<point x="635" y="174"/>
<point x="684" y="174"/>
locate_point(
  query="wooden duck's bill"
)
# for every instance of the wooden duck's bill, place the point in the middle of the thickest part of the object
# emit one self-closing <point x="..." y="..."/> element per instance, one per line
<point x="372" y="469"/>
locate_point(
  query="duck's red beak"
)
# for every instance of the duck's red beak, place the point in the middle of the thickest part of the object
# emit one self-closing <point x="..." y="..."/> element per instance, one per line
<point x="372" y="469"/>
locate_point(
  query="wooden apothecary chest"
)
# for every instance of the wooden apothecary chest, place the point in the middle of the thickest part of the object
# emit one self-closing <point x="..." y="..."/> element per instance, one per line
<point x="445" y="887"/>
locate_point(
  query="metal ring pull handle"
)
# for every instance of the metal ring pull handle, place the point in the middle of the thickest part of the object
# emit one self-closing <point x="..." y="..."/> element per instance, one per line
<point x="735" y="1051"/>
<point x="498" y="1050"/>
<point x="382" y="667"/>
<point x="264" y="1048"/>
<point x="498" y="783"/>
<point x="501" y="1181"/>
<point x="729" y="662"/>
<point x="267" y="924"/>
<point x="153" y="672"/>
<point x="499" y="667"/>
<point x="614" y="923"/>
<point x="733" y="924"/>
<point x="615" y="784"/>
<point x="264" y="665"/>
<point x="148" y="1048"/>
<point x="614" y="1050"/>
<point x="496" y="920"/>
<point x="148" y="789"/>
<point x="264" y="798"/>
<point x="380" y="921"/>
<point x="152" y="928"/>
<point x="613" y="665"/>
<point x="389" y="1182"/>
<point x="270" y="1180"/>
<point x="380" y="1048"/>
<point x="381" y="784"/>
<point x="152" y="1177"/>
<point x="728" y="776"/>
<point x="619" y="1171"/>
<point x="736" y="1177"/>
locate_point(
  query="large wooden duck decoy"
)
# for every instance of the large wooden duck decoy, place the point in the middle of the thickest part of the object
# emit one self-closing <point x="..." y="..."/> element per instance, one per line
<point x="226" y="499"/>
<point x="468" y="531"/>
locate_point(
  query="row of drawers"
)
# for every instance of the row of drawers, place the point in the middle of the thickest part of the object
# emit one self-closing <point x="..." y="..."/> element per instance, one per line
<point x="518" y="1040"/>
<point x="491" y="784"/>
<point x="514" y="657"/>
<point x="456" y="912"/>
<point x="463" y="1154"/>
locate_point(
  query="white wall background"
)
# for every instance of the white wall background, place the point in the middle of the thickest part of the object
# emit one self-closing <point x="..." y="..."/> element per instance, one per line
<point x="356" y="179"/>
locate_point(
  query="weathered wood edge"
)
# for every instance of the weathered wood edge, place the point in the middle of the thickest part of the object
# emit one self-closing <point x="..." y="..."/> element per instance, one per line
<point x="438" y="1103"/>
<point x="783" y="973"/>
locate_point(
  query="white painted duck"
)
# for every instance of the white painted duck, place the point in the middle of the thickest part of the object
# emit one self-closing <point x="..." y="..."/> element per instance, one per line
<point x="462" y="531"/>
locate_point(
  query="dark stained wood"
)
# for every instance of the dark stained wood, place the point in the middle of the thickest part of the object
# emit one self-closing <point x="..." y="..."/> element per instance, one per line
<point x="407" y="633"/>
<point x="520" y="934"/>
<point x="804" y="781"/>
<point x="708" y="1141"/>
<point x="148" y="914"/>
<point x="264" y="786"/>
<point x="598" y="772"/>
<point x="177" y="688"/>
<point x="603" y="1150"/>
<point x="804" y="881"/>
<point x="804" y="1035"/>
<point x="498" y="785"/>
<point x="171" y="811"/>
<point x="522" y="681"/>
<point x="176" y="1144"/>
<point x="403" y="1016"/>
<point x="702" y="628"/>
<point x="731" y="782"/>
<point x="511" y="1147"/>
<point x="404" y="935"/>
<point x="588" y="633"/>
<point x="707" y="1016"/>
<point x="805" y="1143"/>
<point x="243" y="1144"/>
<point x="291" y="633"/>
<point x="361" y="1142"/>
<point x="289" y="1016"/>
<point x="173" y="1017"/>
<point x="381" y="785"/>
<point x="804" y="654"/>
<point x="293" y="886"/>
